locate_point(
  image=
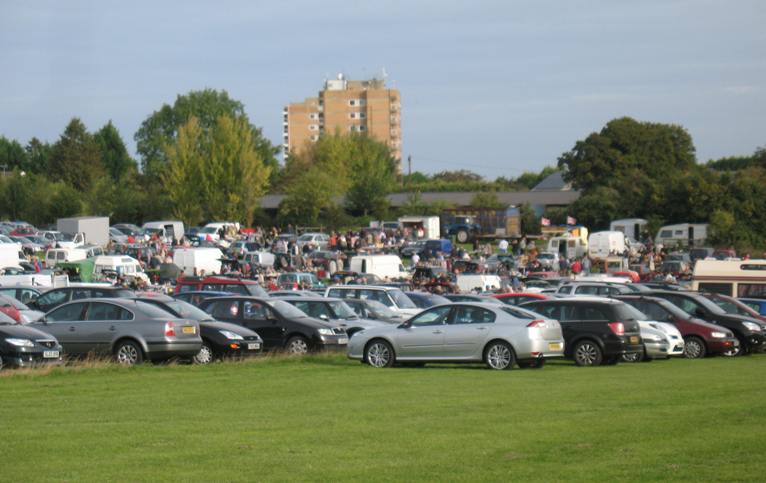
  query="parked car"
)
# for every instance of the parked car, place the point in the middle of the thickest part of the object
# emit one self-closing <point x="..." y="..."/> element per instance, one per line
<point x="374" y="310"/>
<point x="292" y="293"/>
<point x="195" y="297"/>
<point x="22" y="293"/>
<point x="335" y="311"/>
<point x="117" y="237"/>
<point x="498" y="335"/>
<point x="425" y="299"/>
<point x="391" y="297"/>
<point x="748" y="331"/>
<point x="733" y="306"/>
<point x="220" y="340"/>
<point x="57" y="296"/>
<point x="518" y="298"/>
<point x="759" y="305"/>
<point x="24" y="346"/>
<point x="700" y="338"/>
<point x="279" y="324"/>
<point x="320" y="241"/>
<point x="661" y="339"/>
<point x="593" y="288"/>
<point x="464" y="297"/>
<point x="25" y="314"/>
<point x="220" y="284"/>
<point x="129" y="229"/>
<point x="411" y="248"/>
<point x="128" y="329"/>
<point x="596" y="331"/>
<point x="298" y="280"/>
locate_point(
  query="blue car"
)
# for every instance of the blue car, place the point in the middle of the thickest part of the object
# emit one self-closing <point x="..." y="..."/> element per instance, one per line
<point x="759" y="305"/>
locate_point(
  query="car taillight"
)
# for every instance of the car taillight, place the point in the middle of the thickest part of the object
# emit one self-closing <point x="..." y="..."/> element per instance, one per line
<point x="170" y="330"/>
<point x="617" y="327"/>
<point x="536" y="323"/>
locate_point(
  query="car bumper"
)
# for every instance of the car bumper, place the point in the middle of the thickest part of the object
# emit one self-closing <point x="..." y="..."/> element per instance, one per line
<point x="167" y="350"/>
<point x="541" y="348"/>
<point x="656" y="350"/>
<point x="239" y="349"/>
<point x="757" y="342"/>
<point x="719" y="346"/>
<point x="25" y="359"/>
<point x="615" y="348"/>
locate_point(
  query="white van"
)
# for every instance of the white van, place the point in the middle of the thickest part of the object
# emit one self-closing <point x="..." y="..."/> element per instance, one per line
<point x="189" y="259"/>
<point x="384" y="266"/>
<point x="484" y="283"/>
<point x="258" y="259"/>
<point x="632" y="227"/>
<point x="604" y="244"/>
<point x="122" y="265"/>
<point x="568" y="245"/>
<point x="57" y="255"/>
<point x="682" y="235"/>
<point x="170" y="229"/>
<point x="11" y="255"/>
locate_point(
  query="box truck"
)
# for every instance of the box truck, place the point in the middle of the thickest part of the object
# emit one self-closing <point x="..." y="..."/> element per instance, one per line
<point x="94" y="229"/>
<point x="189" y="259"/>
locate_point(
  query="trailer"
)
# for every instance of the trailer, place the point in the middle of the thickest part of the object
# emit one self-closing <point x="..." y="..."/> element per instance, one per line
<point x="429" y="224"/>
<point x="471" y="223"/>
<point x="95" y="229"/>
<point x="632" y="227"/>
<point x="682" y="235"/>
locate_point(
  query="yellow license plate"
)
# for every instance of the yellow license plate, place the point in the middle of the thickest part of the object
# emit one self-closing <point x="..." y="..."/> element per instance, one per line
<point x="554" y="346"/>
<point x="634" y="339"/>
<point x="190" y="329"/>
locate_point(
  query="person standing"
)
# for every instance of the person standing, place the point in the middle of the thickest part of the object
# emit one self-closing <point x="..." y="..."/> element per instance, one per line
<point x="503" y="246"/>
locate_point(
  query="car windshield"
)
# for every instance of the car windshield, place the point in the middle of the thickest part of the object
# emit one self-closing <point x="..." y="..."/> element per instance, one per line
<point x="342" y="310"/>
<point x="63" y="237"/>
<point x="710" y="305"/>
<point x="630" y="312"/>
<point x="186" y="310"/>
<point x="208" y="229"/>
<point x="728" y="307"/>
<point x="286" y="309"/>
<point x="401" y="299"/>
<point x="379" y="309"/>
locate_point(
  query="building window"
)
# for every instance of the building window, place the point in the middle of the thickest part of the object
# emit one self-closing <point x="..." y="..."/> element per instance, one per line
<point x="314" y="137"/>
<point x="313" y="127"/>
<point x="362" y="128"/>
<point x="313" y="116"/>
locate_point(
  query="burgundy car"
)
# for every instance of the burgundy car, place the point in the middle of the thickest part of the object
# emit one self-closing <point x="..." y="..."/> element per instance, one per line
<point x="700" y="338"/>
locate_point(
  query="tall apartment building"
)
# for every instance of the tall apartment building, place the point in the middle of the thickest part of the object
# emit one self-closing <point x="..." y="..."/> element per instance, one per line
<point x="348" y="105"/>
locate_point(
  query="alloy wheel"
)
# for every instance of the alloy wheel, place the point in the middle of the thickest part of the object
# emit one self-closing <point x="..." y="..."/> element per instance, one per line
<point x="586" y="354"/>
<point x="499" y="356"/>
<point x="692" y="349"/>
<point x="127" y="355"/>
<point x="297" y="346"/>
<point x="204" y="356"/>
<point x="378" y="355"/>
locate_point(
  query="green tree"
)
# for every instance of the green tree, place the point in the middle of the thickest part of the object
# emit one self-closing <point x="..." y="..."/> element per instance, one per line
<point x="76" y="159"/>
<point x="114" y="154"/>
<point x="215" y="174"/>
<point x="372" y="176"/>
<point x="162" y="126"/>
<point x="487" y="200"/>
<point x="38" y="155"/>
<point x="530" y="179"/>
<point x="12" y="155"/>
<point x="722" y="225"/>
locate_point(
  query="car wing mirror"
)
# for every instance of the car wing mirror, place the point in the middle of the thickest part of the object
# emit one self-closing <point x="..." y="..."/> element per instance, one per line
<point x="700" y="313"/>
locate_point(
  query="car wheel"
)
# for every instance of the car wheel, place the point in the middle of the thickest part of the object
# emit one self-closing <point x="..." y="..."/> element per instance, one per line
<point x="462" y="236"/>
<point x="536" y="364"/>
<point x="499" y="355"/>
<point x="737" y="351"/>
<point x="587" y="353"/>
<point x="634" y="357"/>
<point x="379" y="353"/>
<point x="297" y="345"/>
<point x="128" y="353"/>
<point x="694" y="348"/>
<point x="205" y="355"/>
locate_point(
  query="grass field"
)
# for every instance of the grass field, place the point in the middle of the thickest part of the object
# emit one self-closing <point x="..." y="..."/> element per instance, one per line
<point x="326" y="418"/>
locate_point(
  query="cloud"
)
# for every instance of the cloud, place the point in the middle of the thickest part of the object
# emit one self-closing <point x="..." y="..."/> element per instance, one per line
<point x="741" y="89"/>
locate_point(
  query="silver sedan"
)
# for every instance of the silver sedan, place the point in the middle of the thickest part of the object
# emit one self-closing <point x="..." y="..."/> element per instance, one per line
<point x="498" y="335"/>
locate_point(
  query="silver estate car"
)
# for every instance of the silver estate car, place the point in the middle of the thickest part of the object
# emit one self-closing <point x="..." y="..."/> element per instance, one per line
<point x="128" y="329"/>
<point x="498" y="335"/>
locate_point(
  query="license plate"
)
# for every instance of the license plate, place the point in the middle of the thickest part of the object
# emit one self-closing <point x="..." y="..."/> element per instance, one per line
<point x="554" y="346"/>
<point x="343" y="340"/>
<point x="253" y="347"/>
<point x="634" y="339"/>
<point x="50" y="354"/>
<point x="189" y="329"/>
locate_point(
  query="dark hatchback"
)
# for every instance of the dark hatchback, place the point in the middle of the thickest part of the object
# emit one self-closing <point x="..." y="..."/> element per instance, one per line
<point x="59" y="296"/>
<point x="280" y="325"/>
<point x="23" y="346"/>
<point x="750" y="333"/>
<point x="595" y="331"/>
<point x="219" y="339"/>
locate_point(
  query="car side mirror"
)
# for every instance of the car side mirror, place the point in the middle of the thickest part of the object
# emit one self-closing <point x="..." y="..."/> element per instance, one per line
<point x="698" y="312"/>
<point x="323" y="317"/>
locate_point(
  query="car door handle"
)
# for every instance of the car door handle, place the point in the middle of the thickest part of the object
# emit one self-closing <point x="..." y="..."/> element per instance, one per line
<point x="112" y="328"/>
<point x="437" y="332"/>
<point x="481" y="328"/>
<point x="71" y="329"/>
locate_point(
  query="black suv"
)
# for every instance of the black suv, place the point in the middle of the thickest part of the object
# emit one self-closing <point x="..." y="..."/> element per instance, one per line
<point x="595" y="331"/>
<point x="58" y="296"/>
<point x="750" y="332"/>
<point x="280" y="325"/>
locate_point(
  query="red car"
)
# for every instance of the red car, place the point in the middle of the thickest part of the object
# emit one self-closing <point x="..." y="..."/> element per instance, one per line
<point x="518" y="298"/>
<point x="700" y="338"/>
<point x="220" y="284"/>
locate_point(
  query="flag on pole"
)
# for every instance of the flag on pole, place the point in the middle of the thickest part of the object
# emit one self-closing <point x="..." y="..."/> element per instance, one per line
<point x="545" y="221"/>
<point x="571" y="221"/>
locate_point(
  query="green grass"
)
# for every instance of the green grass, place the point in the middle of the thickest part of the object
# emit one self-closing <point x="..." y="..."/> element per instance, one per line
<point x="326" y="418"/>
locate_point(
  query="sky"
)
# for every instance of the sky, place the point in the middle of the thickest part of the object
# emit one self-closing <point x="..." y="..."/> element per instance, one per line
<point x="497" y="87"/>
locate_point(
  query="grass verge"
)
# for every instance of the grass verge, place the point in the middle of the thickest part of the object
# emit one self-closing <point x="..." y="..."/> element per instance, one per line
<point x="327" y="418"/>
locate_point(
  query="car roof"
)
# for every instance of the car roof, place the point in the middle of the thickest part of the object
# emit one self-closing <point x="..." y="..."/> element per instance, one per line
<point x="356" y="287"/>
<point x="581" y="300"/>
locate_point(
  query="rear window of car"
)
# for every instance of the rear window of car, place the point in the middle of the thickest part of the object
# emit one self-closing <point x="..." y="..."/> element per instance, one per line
<point x="341" y="293"/>
<point x="520" y="313"/>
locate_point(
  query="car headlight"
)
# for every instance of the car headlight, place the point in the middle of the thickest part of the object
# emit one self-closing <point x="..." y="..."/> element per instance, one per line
<point x="718" y="335"/>
<point x="653" y="338"/>
<point x="231" y="335"/>
<point x="752" y="326"/>
<point x="326" y="332"/>
<point x="20" y="342"/>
